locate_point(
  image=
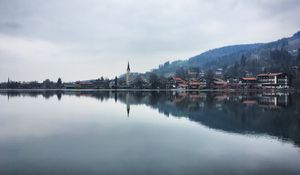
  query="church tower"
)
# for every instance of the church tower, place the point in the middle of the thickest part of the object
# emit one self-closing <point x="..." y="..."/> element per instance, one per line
<point x="127" y="74"/>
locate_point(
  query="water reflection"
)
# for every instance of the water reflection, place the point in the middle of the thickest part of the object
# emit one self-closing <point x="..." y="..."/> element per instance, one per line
<point x="274" y="114"/>
<point x="105" y="132"/>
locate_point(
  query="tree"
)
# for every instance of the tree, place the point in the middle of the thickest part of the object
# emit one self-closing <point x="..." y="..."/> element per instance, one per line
<point x="116" y="81"/>
<point x="253" y="66"/>
<point x="47" y="84"/>
<point x="234" y="70"/>
<point x="181" y="72"/>
<point x="243" y="61"/>
<point x="154" y="81"/>
<point x="210" y="74"/>
<point x="281" y="59"/>
<point x="139" y="83"/>
<point x="166" y="63"/>
<point x="59" y="83"/>
<point x="298" y="58"/>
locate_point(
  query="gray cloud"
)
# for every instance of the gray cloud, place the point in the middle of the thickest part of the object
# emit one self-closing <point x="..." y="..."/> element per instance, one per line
<point x="77" y="39"/>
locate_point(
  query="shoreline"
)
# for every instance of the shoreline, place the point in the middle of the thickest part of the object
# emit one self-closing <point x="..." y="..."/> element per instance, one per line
<point x="152" y="90"/>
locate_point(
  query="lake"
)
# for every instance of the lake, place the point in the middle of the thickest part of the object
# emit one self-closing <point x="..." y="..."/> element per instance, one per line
<point x="105" y="132"/>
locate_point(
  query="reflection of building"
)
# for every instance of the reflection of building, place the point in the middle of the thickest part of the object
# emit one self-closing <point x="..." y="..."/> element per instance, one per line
<point x="249" y="102"/>
<point x="273" y="80"/>
<point x="127" y="103"/>
<point x="273" y="101"/>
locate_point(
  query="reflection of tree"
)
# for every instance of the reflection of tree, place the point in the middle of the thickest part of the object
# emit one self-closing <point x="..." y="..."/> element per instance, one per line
<point x="116" y="97"/>
<point x="59" y="95"/>
<point x="228" y="112"/>
<point x="234" y="112"/>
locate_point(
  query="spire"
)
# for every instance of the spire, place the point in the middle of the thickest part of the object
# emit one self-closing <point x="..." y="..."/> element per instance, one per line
<point x="128" y="67"/>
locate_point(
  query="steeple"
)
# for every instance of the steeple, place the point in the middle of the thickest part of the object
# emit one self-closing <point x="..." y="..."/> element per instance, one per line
<point x="128" y="67"/>
<point x="128" y="74"/>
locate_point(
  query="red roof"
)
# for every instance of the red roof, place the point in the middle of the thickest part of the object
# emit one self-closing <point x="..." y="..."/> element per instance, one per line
<point x="179" y="80"/>
<point x="249" y="78"/>
<point x="195" y="83"/>
<point x="249" y="102"/>
<point x="220" y="82"/>
<point x="182" y="85"/>
<point x="270" y="74"/>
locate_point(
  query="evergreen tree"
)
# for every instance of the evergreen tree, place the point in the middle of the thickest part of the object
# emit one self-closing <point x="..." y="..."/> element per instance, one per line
<point x="298" y="58"/>
<point x="243" y="61"/>
<point x="154" y="81"/>
<point x="210" y="75"/>
<point x="181" y="72"/>
<point x="116" y="81"/>
<point x="47" y="84"/>
<point x="59" y="83"/>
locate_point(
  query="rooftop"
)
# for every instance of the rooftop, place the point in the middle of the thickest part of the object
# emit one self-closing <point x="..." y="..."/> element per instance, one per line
<point x="269" y="74"/>
<point x="249" y="78"/>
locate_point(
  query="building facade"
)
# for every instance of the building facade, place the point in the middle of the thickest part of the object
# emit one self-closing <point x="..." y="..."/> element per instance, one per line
<point x="273" y="80"/>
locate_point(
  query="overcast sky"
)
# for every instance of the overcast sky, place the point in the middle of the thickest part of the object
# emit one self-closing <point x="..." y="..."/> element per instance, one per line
<point x="85" y="39"/>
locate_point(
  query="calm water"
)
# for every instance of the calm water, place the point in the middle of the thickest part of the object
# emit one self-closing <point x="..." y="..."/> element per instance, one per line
<point x="149" y="133"/>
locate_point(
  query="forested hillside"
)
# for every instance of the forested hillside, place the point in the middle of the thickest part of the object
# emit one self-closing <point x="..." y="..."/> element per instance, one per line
<point x="238" y="60"/>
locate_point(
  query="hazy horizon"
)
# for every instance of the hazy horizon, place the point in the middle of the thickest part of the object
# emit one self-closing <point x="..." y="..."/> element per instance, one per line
<point x="78" y="40"/>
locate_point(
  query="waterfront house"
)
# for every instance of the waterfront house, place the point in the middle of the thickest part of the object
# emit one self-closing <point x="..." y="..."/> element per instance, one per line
<point x="85" y="84"/>
<point x="71" y="86"/>
<point x="177" y="83"/>
<point x="249" y="82"/>
<point x="219" y="73"/>
<point x="193" y="73"/>
<point x="197" y="84"/>
<point x="273" y="80"/>
<point x="219" y="84"/>
<point x="194" y="84"/>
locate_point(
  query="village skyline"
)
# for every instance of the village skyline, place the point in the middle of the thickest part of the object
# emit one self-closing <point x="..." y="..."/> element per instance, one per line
<point x="238" y="67"/>
<point x="96" y="38"/>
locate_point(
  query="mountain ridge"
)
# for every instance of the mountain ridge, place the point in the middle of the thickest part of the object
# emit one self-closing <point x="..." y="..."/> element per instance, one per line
<point x="228" y="55"/>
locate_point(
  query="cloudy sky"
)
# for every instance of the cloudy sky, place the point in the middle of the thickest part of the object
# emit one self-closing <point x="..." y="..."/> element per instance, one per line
<point x="85" y="39"/>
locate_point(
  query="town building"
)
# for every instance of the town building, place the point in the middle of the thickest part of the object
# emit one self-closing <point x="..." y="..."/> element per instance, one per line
<point x="273" y="80"/>
<point x="85" y="85"/>
<point x="176" y="83"/>
<point x="219" y="73"/>
<point x="193" y="73"/>
<point x="197" y="84"/>
<point x="128" y="75"/>
<point x="219" y="84"/>
<point x="249" y="82"/>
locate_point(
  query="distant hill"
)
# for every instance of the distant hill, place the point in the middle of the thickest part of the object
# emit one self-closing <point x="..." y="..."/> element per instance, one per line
<point x="227" y="56"/>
